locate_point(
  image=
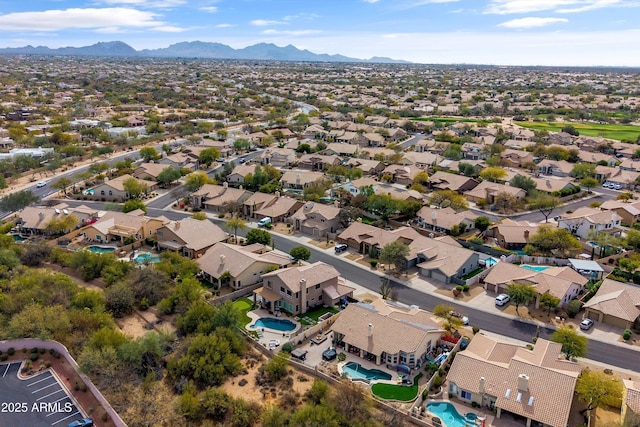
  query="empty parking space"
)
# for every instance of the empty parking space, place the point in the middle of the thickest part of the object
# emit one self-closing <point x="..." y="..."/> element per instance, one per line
<point x="38" y="401"/>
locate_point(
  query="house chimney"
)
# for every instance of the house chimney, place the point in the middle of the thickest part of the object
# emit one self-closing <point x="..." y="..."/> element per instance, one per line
<point x="434" y="216"/>
<point x="177" y="226"/>
<point x="41" y="215"/>
<point x="298" y="179"/>
<point x="481" y="386"/>
<point x="370" y="330"/>
<point x="523" y="382"/>
<point x="241" y="188"/>
<point x="225" y="184"/>
<point x="526" y="234"/>
<point x="303" y="286"/>
<point x="277" y="193"/>
<point x="222" y="257"/>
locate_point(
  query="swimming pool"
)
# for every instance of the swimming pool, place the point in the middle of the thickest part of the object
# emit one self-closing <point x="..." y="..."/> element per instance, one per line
<point x="537" y="268"/>
<point x="18" y="238"/>
<point x="283" y="325"/>
<point x="101" y="249"/>
<point x="355" y="370"/>
<point x="490" y="261"/>
<point x="146" y="257"/>
<point x="450" y="416"/>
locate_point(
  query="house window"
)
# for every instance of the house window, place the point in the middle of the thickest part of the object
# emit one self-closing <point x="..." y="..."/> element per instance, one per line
<point x="318" y="286"/>
<point x="159" y="233"/>
<point x="320" y="298"/>
<point x="296" y="308"/>
<point x="465" y="395"/>
<point x="297" y="294"/>
<point x="110" y="193"/>
<point x="288" y="292"/>
<point x="102" y="192"/>
<point x="239" y="283"/>
<point x="307" y="291"/>
<point x="282" y="289"/>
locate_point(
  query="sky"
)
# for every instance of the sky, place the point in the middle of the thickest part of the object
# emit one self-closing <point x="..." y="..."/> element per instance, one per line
<point x="498" y="32"/>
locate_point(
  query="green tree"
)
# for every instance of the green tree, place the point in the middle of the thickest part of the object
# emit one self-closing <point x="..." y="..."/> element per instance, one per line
<point x="570" y="129"/>
<point x="395" y="253"/>
<point x="300" y="253"/>
<point x="132" y="205"/>
<point x="505" y="201"/>
<point x="467" y="169"/>
<point x="449" y="322"/>
<point x="549" y="301"/>
<point x="550" y="240"/>
<point x="596" y="388"/>
<point x="481" y="223"/>
<point x="524" y="182"/>
<point x="3" y="182"/>
<point x="62" y="224"/>
<point x="589" y="183"/>
<point x="573" y="344"/>
<point x="168" y="175"/>
<point x="134" y="187"/>
<point x="545" y="204"/>
<point x="235" y="224"/>
<point x="276" y="368"/>
<point x="258" y="236"/>
<point x="148" y="154"/>
<point x="318" y="392"/>
<point x="208" y="156"/>
<point x="557" y="153"/>
<point x="583" y="170"/>
<point x="448" y="198"/>
<point x="196" y="180"/>
<point x="521" y="294"/>
<point x="315" y="415"/>
<point x="119" y="299"/>
<point x="493" y="174"/>
<point x="200" y="216"/>
<point x="273" y="416"/>
<point x="18" y="200"/>
<point x="62" y="184"/>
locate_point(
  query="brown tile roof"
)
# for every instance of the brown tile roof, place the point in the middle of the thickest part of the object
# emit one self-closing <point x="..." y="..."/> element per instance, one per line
<point x="314" y="274"/>
<point x="550" y="384"/>
<point x="633" y="395"/>
<point x="327" y="212"/>
<point x="617" y="299"/>
<point x="279" y="207"/>
<point x="197" y="234"/>
<point x="236" y="259"/>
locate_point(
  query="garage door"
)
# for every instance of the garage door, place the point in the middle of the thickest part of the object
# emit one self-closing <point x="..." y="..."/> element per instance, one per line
<point x="435" y="275"/>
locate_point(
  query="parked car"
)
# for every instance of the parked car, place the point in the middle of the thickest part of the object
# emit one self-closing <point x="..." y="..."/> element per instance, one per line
<point x="586" y="324"/>
<point x="273" y="344"/>
<point x="264" y="221"/>
<point x="85" y="422"/>
<point x="329" y="354"/>
<point x="502" y="299"/>
<point x="340" y="248"/>
<point x="617" y="186"/>
<point x="607" y="184"/>
<point x="460" y="316"/>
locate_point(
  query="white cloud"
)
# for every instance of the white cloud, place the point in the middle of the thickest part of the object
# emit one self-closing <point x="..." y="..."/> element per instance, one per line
<point x="55" y="20"/>
<point x="264" y="23"/>
<point x="150" y="4"/>
<point x="224" y="25"/>
<point x="371" y="1"/>
<point x="291" y="32"/>
<point x="209" y="9"/>
<point x="168" y="29"/>
<point x="506" y="7"/>
<point x="531" y="22"/>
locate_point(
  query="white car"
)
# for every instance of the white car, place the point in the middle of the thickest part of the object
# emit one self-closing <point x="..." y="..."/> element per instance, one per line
<point x="586" y="324"/>
<point x="616" y="186"/>
<point x="274" y="343"/>
<point x="607" y="184"/>
<point x="502" y="299"/>
<point x="41" y="184"/>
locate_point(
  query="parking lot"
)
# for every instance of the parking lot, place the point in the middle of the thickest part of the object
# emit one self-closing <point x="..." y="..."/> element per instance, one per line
<point x="38" y="401"/>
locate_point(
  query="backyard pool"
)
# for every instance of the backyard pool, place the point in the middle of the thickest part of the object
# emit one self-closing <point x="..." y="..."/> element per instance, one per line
<point x="490" y="262"/>
<point x="146" y="257"/>
<point x="355" y="371"/>
<point x="450" y="416"/>
<point x="535" y="267"/>
<point x="283" y="325"/>
<point x="18" y="238"/>
<point x="101" y="249"/>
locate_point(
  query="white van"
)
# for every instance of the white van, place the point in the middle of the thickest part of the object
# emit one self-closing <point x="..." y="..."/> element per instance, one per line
<point x="264" y="221"/>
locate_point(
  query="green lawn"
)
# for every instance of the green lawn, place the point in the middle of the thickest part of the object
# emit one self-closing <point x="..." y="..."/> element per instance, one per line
<point x="397" y="392"/>
<point x="619" y="132"/>
<point x="313" y="314"/>
<point x="244" y="305"/>
<point x="473" y="273"/>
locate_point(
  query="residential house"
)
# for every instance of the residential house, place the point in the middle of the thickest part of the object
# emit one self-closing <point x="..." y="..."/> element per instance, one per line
<point x="515" y="158"/>
<point x="629" y="213"/>
<point x="318" y="162"/>
<point x="422" y="160"/>
<point x="255" y="202"/>
<point x="372" y="139"/>
<point x="563" y="283"/>
<point x="343" y="150"/>
<point x="218" y="198"/>
<point x="401" y="174"/>
<point x="627" y="179"/>
<point x="299" y="180"/>
<point x="120" y="227"/>
<point x="35" y="219"/>
<point x="510" y="234"/>
<point x="473" y="151"/>
<point x="183" y="160"/>
<point x="536" y="384"/>
<point x="368" y="167"/>
<point x="587" y="268"/>
<point x="113" y="189"/>
<point x="616" y="304"/>
<point x="596" y="157"/>
<point x="586" y="220"/>
<point x="245" y="264"/>
<point x="630" y="165"/>
<point x="298" y="289"/>
<point x="278" y="157"/>
<point x="488" y="190"/>
<point x="630" y="410"/>
<point x="149" y="171"/>
<point x="387" y="333"/>
<point x="442" y="220"/>
<point x="604" y="172"/>
<point x="555" y="167"/>
<point x="560" y="138"/>
<point x="448" y="181"/>
<point x="190" y="237"/>
<point x="316" y="219"/>
<point x="278" y="209"/>
<point x="239" y="173"/>
<point x="552" y="184"/>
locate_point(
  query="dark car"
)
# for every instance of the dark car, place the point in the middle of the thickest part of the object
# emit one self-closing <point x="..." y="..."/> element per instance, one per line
<point x="85" y="422"/>
<point x="329" y="354"/>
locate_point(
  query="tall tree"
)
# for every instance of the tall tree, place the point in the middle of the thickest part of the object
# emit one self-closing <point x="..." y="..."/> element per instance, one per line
<point x="236" y="224"/>
<point x="573" y="344"/>
<point x="449" y="322"/>
<point x="589" y="183"/>
<point x="395" y="253"/>
<point x="134" y="187"/>
<point x="149" y="153"/>
<point x="448" y="198"/>
<point x="521" y="294"/>
<point x="18" y="200"/>
<point x="208" y="156"/>
<point x="493" y="174"/>
<point x="168" y="175"/>
<point x="596" y="388"/>
<point x="62" y="184"/>
<point x="545" y="204"/>
<point x="549" y="301"/>
<point x="195" y="180"/>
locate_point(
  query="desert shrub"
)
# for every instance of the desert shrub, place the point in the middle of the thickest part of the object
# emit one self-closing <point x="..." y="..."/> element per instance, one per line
<point x="34" y="350"/>
<point x="373" y="262"/>
<point x="11" y="351"/>
<point x="626" y="335"/>
<point x="466" y="288"/>
<point x="475" y="330"/>
<point x="33" y="356"/>
<point x="41" y="350"/>
<point x="573" y="308"/>
<point x="287" y="347"/>
<point x="460" y="288"/>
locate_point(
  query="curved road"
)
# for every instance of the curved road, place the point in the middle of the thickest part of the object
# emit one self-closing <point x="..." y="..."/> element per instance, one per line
<point x="512" y="328"/>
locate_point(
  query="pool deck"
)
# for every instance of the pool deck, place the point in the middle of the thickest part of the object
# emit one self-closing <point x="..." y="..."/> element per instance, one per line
<point x="270" y="334"/>
<point x="367" y="364"/>
<point x="492" y="421"/>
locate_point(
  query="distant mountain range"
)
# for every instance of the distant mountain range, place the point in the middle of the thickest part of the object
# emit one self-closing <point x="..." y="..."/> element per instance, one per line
<point x="196" y="49"/>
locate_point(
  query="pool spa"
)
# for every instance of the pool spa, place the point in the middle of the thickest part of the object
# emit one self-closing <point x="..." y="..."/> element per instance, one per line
<point x="282" y="325"/>
<point x="356" y="371"/>
<point x="450" y="415"/>
<point x="145" y="257"/>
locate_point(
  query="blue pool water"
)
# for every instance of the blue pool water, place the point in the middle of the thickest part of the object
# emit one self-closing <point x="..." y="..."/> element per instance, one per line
<point x="449" y="415"/>
<point x="283" y="325"/>
<point x="354" y="370"/>
<point x="535" y="267"/>
<point x="490" y="261"/>
<point x="17" y="238"/>
<point x="101" y="249"/>
<point x="146" y="257"/>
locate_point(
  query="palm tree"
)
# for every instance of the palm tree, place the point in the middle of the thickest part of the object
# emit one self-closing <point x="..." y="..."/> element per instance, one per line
<point x="234" y="224"/>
